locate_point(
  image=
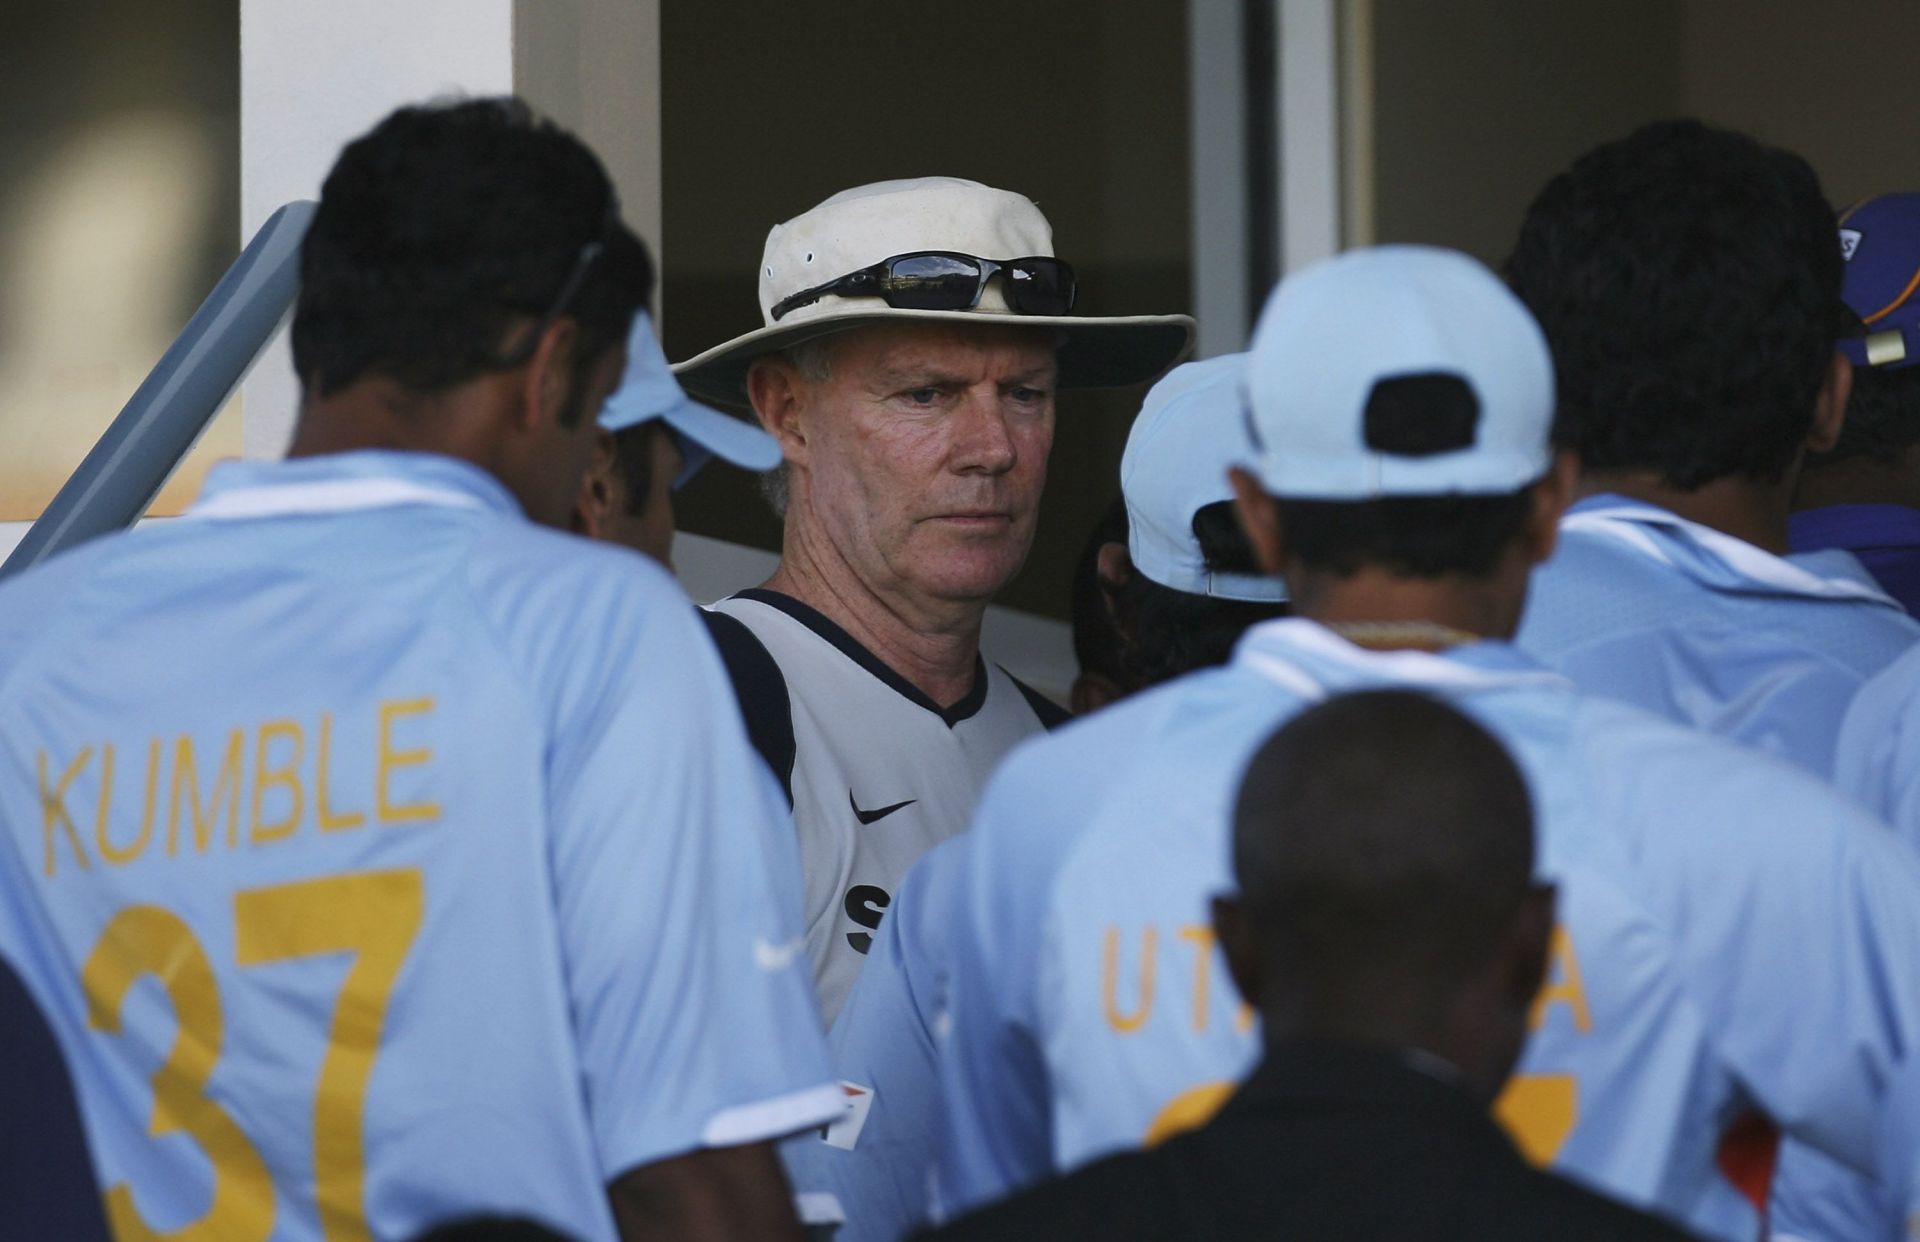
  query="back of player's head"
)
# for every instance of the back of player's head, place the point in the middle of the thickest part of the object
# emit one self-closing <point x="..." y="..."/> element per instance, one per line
<point x="1689" y="282"/>
<point x="445" y="228"/>
<point x="1880" y="246"/>
<point x="1401" y="399"/>
<point x="1382" y="844"/>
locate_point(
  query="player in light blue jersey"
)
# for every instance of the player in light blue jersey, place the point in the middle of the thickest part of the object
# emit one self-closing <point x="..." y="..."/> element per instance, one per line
<point x="1182" y="589"/>
<point x="1689" y="284"/>
<point x="378" y="855"/>
<point x="1732" y="937"/>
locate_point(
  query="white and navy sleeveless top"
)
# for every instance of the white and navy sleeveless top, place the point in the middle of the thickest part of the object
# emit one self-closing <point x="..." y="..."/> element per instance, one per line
<point x="877" y="772"/>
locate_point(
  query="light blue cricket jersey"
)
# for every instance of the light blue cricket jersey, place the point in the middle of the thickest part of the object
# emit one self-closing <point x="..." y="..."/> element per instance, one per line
<point x="1702" y="628"/>
<point x="1731" y="933"/>
<point x="1878" y="762"/>
<point x="392" y="858"/>
<point x="878" y="1162"/>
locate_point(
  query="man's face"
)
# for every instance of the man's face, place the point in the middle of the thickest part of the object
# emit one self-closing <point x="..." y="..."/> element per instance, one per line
<point x="606" y="508"/>
<point x="921" y="456"/>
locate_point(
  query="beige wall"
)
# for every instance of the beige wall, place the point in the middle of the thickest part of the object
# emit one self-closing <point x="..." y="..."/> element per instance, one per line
<point x="1478" y="102"/>
<point x="1834" y="82"/>
<point x="118" y="211"/>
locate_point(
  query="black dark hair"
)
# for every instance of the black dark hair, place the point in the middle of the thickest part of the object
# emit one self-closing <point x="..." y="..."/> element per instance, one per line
<point x="1688" y="280"/>
<point x="444" y="228"/>
<point x="1096" y="639"/>
<point x="1382" y="843"/>
<point x="1168" y="632"/>
<point x="1883" y="418"/>
<point x="1413" y="536"/>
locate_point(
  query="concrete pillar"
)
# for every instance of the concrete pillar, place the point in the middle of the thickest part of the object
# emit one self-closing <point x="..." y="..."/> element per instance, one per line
<point x="313" y="76"/>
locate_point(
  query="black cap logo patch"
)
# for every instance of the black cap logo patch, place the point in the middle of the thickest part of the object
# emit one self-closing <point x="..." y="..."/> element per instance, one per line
<point x="1422" y="415"/>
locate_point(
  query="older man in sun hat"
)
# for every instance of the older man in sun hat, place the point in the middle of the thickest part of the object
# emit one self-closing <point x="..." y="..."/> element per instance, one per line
<point x="915" y="335"/>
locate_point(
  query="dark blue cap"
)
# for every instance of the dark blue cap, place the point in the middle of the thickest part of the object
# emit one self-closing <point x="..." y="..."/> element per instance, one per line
<point x="1880" y="241"/>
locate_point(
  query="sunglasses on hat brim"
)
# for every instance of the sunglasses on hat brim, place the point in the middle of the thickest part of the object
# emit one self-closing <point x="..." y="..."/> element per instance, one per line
<point x="946" y="280"/>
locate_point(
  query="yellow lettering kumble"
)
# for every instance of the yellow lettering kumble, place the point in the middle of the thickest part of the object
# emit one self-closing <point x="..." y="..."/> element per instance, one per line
<point x="265" y="770"/>
<point x="1563" y="985"/>
<point x="226" y="783"/>
<point x="53" y="805"/>
<point x="330" y="821"/>
<point x="1126" y="1023"/>
<point x="121" y="855"/>
<point x="391" y="812"/>
<point x="285" y="776"/>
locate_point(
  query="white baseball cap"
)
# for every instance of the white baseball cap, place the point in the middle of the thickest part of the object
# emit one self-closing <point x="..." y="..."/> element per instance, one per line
<point x="648" y="391"/>
<point x="1192" y="427"/>
<point x="1398" y="371"/>
<point x="864" y="226"/>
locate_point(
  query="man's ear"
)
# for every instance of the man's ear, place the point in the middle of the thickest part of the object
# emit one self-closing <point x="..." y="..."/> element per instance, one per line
<point x="548" y="380"/>
<point x="778" y="395"/>
<point x="1530" y="945"/>
<point x="1113" y="565"/>
<point x="1550" y="498"/>
<point x="1830" y="406"/>
<point x="1259" y="519"/>
<point x="1234" y="931"/>
<point x="596" y="502"/>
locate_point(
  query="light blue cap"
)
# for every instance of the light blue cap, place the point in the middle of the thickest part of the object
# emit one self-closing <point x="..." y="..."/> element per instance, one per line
<point x="1192" y="427"/>
<point x="1332" y="424"/>
<point x="648" y="391"/>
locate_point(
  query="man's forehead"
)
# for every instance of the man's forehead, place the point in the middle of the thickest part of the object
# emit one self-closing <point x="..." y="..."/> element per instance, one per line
<point x="904" y="351"/>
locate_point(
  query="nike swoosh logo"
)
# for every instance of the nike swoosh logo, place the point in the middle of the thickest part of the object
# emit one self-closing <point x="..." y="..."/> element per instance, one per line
<point x="875" y="816"/>
<point x="774" y="958"/>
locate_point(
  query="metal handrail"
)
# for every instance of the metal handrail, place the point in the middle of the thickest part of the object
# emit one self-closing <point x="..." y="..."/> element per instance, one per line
<point x="125" y="470"/>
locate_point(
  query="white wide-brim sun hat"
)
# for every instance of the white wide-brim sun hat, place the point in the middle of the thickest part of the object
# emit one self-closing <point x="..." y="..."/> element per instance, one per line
<point x="868" y="224"/>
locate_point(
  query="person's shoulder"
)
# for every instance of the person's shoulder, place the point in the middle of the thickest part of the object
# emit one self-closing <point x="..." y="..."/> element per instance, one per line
<point x="566" y="589"/>
<point x="1118" y="1199"/>
<point x="1545" y="1204"/>
<point x="37" y="604"/>
<point x="1089" y="747"/>
<point x="1675" y="763"/>
<point x="1894" y="691"/>
<point x="1745" y="810"/>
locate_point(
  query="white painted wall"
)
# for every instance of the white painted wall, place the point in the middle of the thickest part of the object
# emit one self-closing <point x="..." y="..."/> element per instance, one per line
<point x="1309" y="129"/>
<point x="312" y="77"/>
<point x="1217" y="134"/>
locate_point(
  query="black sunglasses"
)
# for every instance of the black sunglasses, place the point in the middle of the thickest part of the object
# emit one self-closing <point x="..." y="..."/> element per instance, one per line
<point x="945" y="280"/>
<point x="577" y="276"/>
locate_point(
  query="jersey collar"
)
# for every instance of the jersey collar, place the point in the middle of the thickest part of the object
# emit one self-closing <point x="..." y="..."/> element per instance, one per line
<point x="347" y="483"/>
<point x="1713" y="558"/>
<point x="1314" y="662"/>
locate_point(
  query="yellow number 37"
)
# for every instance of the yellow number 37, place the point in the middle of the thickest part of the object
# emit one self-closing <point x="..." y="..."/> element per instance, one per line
<point x="372" y="914"/>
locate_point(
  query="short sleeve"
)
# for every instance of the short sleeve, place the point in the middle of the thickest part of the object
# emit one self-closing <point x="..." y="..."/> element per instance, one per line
<point x="1797" y="920"/>
<point x="677" y="888"/>
<point x="878" y="1162"/>
<point x="997" y="1131"/>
